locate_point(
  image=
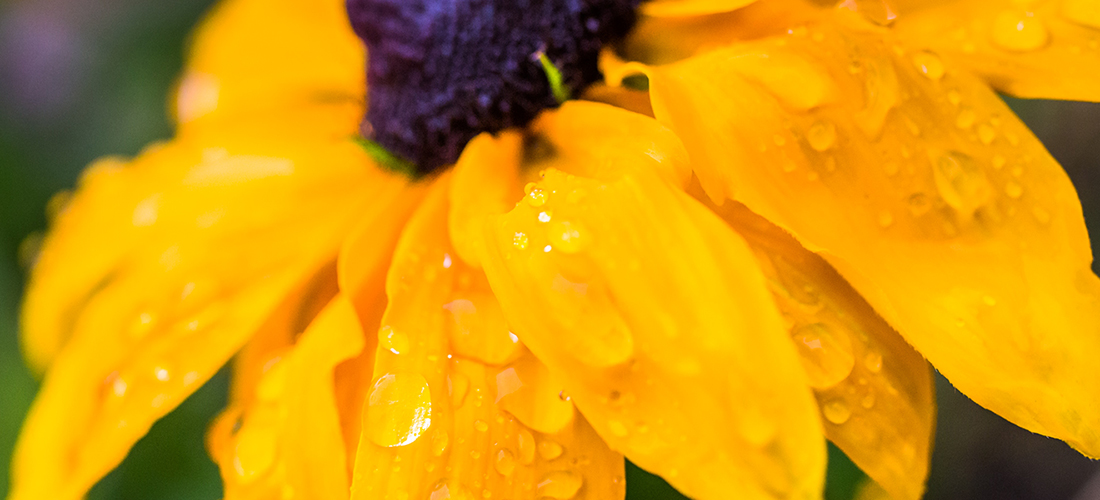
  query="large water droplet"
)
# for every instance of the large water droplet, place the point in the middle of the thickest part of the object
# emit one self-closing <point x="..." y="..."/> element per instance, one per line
<point x="254" y="453"/>
<point x="962" y="184"/>
<point x="567" y="237"/>
<point x="393" y="340"/>
<point x="527" y="448"/>
<point x="1020" y="32"/>
<point x="821" y="135"/>
<point x="400" y="407"/>
<point x="506" y="462"/>
<point x="826" y="354"/>
<point x="929" y="65"/>
<point x="450" y="490"/>
<point x="837" y="411"/>
<point x="440" y="441"/>
<point x="560" y="485"/>
<point x="549" y="450"/>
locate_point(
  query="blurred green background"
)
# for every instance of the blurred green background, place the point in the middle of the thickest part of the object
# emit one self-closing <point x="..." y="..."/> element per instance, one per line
<point x="80" y="79"/>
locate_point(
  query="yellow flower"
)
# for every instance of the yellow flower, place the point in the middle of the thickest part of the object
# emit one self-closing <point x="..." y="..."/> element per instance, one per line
<point x="708" y="277"/>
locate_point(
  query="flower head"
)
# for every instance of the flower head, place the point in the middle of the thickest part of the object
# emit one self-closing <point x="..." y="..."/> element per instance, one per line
<point x="711" y="276"/>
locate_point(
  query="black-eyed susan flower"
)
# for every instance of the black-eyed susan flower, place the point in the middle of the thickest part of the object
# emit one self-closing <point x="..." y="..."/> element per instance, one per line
<point x="711" y="276"/>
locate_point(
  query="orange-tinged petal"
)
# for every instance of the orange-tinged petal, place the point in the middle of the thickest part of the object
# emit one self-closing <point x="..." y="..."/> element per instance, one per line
<point x="1027" y="49"/>
<point x="261" y="54"/>
<point x="928" y="195"/>
<point x="653" y="313"/>
<point x="287" y="441"/>
<point x="875" y="392"/>
<point x="661" y="39"/>
<point x="432" y="423"/>
<point x="158" y="271"/>
<point x="675" y="8"/>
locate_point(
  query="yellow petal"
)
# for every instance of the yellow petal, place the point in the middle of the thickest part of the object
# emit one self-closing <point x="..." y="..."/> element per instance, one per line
<point x="665" y="39"/>
<point x="653" y="314"/>
<point x="1027" y="49"/>
<point x="927" y="194"/>
<point x="875" y="392"/>
<point x="287" y="442"/>
<point x="158" y="271"/>
<point x="432" y="423"/>
<point x="674" y="8"/>
<point x="260" y="54"/>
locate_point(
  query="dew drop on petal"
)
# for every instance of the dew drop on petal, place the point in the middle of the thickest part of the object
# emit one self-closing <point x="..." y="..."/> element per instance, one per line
<point x="873" y="361"/>
<point x="987" y="134"/>
<point x="560" y="485"/>
<point x="567" y="237"/>
<point x="929" y="64"/>
<point x="960" y="182"/>
<point x="868" y="401"/>
<point x="400" y="407"/>
<point x="481" y="426"/>
<point x="549" y="450"/>
<point x="1019" y="32"/>
<point x="393" y="340"/>
<point x="526" y="442"/>
<point x="837" y="411"/>
<point x="821" y="135"/>
<point x="966" y="119"/>
<point x="519" y="240"/>
<point x="919" y="204"/>
<point x="450" y="490"/>
<point x="440" y="441"/>
<point x="1014" y="190"/>
<point x="825" y="353"/>
<point x="505" y="463"/>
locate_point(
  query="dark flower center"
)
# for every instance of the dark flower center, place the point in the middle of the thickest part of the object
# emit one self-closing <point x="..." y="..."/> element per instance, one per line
<point x="442" y="71"/>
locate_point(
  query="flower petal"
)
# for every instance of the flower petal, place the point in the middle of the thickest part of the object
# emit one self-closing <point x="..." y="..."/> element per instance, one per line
<point x="927" y="194"/>
<point x="875" y="392"/>
<point x="676" y="8"/>
<point x="1027" y="49"/>
<point x="432" y="425"/>
<point x="158" y="271"/>
<point x="259" y="54"/>
<point x="653" y="313"/>
<point x="287" y="443"/>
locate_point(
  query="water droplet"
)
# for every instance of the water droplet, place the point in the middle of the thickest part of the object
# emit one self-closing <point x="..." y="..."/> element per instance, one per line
<point x="1020" y="32"/>
<point x="544" y="216"/>
<point x="998" y="162"/>
<point x="162" y="374"/>
<point x="989" y="301"/>
<point x="919" y="204"/>
<point x="825" y="353"/>
<point x="440" y="441"/>
<point x="836" y="411"/>
<point x="549" y="450"/>
<point x="519" y="240"/>
<point x="393" y="340"/>
<point x="880" y="12"/>
<point x="450" y="490"/>
<point x="1083" y="12"/>
<point x="873" y="361"/>
<point x="885" y="219"/>
<point x="527" y="448"/>
<point x="119" y="387"/>
<point x="506" y="462"/>
<point x="821" y="135"/>
<point x="481" y="426"/>
<point x="400" y="407"/>
<point x="986" y="134"/>
<point x="954" y="97"/>
<point x="868" y="401"/>
<point x="929" y="65"/>
<point x="474" y="454"/>
<point x="1014" y="190"/>
<point x="567" y="237"/>
<point x="960" y="182"/>
<point x="254" y="452"/>
<point x="560" y="485"/>
<point x="536" y="197"/>
<point x="779" y="140"/>
<point x="617" y="428"/>
<point x="965" y="119"/>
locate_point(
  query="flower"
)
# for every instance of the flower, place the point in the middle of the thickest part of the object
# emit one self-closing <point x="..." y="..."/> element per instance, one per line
<point x="708" y="277"/>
